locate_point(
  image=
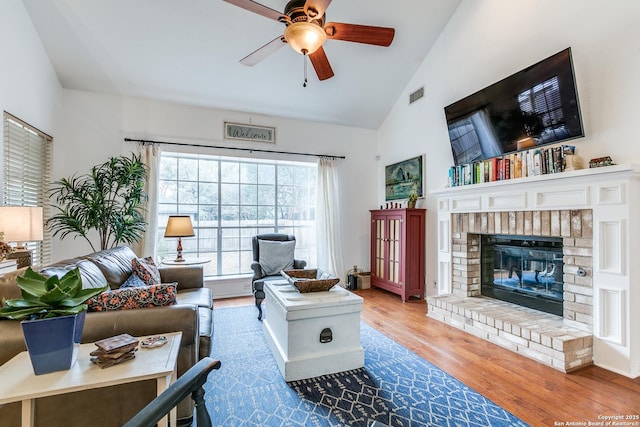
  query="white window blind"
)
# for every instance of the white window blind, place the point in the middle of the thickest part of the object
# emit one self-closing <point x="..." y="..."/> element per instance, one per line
<point x="26" y="175"/>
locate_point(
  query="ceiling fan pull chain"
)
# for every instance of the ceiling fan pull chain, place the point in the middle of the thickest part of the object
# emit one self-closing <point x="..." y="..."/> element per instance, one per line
<point x="304" y="58"/>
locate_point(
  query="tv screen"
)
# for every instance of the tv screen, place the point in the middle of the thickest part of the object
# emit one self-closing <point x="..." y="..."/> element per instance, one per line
<point x="534" y="107"/>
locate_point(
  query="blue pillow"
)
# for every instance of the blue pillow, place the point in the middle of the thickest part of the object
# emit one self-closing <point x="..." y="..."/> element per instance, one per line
<point x="134" y="281"/>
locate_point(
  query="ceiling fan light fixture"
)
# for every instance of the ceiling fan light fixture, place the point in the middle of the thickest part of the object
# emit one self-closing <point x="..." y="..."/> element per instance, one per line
<point x="305" y="37"/>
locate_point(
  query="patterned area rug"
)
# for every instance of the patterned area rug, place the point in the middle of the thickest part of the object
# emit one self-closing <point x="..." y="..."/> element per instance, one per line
<point x="396" y="387"/>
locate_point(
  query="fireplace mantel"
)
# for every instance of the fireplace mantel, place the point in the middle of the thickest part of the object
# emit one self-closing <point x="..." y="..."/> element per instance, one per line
<point x="613" y="195"/>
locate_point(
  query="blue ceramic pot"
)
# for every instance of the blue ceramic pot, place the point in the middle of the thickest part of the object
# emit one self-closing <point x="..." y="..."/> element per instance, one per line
<point x="53" y="343"/>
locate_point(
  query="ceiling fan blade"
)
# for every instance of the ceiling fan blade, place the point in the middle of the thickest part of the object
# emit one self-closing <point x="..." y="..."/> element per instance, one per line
<point x="379" y="36"/>
<point x="321" y="64"/>
<point x="254" y="7"/>
<point x="316" y="8"/>
<point x="258" y="55"/>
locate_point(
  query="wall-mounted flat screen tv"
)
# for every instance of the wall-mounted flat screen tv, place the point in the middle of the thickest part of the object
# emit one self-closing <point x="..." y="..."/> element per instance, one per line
<point x="534" y="107"/>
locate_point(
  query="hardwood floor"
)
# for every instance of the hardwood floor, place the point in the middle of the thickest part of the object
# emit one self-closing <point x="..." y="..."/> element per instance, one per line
<point x="537" y="394"/>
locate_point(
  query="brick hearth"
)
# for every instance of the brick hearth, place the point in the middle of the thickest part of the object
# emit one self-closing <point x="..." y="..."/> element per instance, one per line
<point x="564" y="343"/>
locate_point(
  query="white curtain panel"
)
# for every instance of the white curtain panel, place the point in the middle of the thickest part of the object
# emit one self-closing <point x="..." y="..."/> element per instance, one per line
<point x="329" y="244"/>
<point x="150" y="154"/>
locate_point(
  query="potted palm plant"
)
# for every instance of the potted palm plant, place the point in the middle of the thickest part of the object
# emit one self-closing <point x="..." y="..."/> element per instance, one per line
<point x="108" y="200"/>
<point x="52" y="311"/>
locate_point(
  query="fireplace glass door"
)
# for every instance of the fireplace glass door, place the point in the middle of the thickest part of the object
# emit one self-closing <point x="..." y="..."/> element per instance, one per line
<point x="526" y="272"/>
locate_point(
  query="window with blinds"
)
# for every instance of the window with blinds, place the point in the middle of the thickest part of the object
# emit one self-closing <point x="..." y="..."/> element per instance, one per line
<point x="26" y="175"/>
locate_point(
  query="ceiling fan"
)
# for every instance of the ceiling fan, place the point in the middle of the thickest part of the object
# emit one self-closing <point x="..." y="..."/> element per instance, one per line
<point x="306" y="32"/>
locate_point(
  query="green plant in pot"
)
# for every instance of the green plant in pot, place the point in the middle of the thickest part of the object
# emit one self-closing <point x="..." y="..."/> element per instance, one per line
<point x="108" y="200"/>
<point x="52" y="311"/>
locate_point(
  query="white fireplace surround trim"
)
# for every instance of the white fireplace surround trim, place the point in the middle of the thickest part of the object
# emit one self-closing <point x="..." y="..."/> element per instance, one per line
<point x="613" y="194"/>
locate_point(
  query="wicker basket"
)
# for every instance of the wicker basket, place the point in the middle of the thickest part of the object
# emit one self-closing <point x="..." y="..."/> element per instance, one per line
<point x="310" y="280"/>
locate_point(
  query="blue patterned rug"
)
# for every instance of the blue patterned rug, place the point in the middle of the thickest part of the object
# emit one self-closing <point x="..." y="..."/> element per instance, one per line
<point x="396" y="387"/>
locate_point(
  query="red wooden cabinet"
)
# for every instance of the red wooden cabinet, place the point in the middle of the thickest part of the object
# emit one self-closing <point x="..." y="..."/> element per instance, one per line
<point x="397" y="251"/>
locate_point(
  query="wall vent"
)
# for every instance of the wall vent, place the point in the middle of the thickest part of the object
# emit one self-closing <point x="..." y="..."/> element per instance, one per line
<point x="413" y="97"/>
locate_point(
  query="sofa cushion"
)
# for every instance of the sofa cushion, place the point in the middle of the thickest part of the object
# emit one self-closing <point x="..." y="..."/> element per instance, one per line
<point x="8" y="288"/>
<point x="129" y="298"/>
<point x="90" y="274"/>
<point x="188" y="276"/>
<point x="146" y="270"/>
<point x="201" y="297"/>
<point x="276" y="256"/>
<point x="114" y="263"/>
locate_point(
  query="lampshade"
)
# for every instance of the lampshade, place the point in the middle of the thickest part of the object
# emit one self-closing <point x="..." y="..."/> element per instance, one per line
<point x="305" y="37"/>
<point x="179" y="226"/>
<point x="21" y="223"/>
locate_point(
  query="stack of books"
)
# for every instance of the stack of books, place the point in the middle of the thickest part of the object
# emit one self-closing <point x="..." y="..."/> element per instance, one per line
<point x="540" y="161"/>
<point x="114" y="350"/>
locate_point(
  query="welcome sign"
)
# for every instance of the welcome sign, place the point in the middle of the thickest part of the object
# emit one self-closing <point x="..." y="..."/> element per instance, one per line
<point x="249" y="132"/>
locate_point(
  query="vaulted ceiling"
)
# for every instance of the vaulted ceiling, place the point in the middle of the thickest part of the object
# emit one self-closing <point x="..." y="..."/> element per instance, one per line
<point x="188" y="51"/>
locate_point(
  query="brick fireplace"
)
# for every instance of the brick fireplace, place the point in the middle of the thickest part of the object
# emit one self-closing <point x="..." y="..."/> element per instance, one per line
<point x="574" y="226"/>
<point x="593" y="212"/>
<point x="564" y="345"/>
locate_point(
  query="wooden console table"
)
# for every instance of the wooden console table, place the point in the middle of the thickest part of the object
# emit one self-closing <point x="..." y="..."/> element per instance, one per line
<point x="19" y="383"/>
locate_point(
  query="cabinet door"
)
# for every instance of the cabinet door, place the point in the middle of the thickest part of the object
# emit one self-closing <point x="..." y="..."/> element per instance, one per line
<point x="386" y="262"/>
<point x="394" y="258"/>
<point x="378" y="231"/>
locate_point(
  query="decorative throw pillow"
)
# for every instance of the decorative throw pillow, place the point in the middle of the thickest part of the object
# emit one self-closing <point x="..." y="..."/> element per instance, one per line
<point x="141" y="297"/>
<point x="146" y="270"/>
<point x="134" y="281"/>
<point x="276" y="256"/>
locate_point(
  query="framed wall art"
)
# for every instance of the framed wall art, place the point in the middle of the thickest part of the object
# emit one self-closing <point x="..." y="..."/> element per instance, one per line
<point x="401" y="177"/>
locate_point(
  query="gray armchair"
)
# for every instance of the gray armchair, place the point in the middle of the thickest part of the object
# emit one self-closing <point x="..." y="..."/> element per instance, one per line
<point x="268" y="266"/>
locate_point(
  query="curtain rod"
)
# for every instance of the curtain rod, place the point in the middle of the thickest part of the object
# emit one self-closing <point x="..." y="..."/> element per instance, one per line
<point x="183" y="144"/>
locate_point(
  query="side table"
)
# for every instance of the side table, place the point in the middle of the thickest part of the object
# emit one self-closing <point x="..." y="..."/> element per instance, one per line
<point x="187" y="261"/>
<point x="19" y="383"/>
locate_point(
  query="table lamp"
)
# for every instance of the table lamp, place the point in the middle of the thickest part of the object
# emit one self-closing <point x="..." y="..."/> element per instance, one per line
<point x="179" y="226"/>
<point x="21" y="224"/>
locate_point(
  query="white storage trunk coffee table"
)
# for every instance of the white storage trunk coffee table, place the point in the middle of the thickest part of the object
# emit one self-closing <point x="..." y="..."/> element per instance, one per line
<point x="312" y="334"/>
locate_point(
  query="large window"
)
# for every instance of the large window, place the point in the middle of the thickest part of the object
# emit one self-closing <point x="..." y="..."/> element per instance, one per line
<point x="26" y="175"/>
<point x="232" y="199"/>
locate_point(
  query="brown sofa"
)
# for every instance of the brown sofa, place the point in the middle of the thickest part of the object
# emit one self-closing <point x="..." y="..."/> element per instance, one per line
<point x="113" y="406"/>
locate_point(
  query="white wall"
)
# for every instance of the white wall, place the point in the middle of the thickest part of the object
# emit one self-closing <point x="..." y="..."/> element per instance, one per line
<point x="488" y="40"/>
<point x="93" y="127"/>
<point x="89" y="128"/>
<point x="29" y="87"/>
<point x="484" y="42"/>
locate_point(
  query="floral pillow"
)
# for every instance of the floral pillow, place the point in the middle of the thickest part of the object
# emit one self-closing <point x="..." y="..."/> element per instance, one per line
<point x="140" y="297"/>
<point x="146" y="270"/>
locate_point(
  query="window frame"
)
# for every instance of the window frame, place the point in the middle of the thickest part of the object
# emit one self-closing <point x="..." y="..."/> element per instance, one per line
<point x="27" y="162"/>
<point x="229" y="240"/>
